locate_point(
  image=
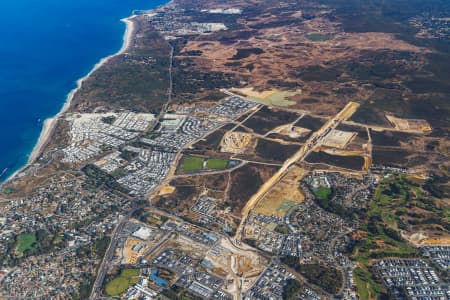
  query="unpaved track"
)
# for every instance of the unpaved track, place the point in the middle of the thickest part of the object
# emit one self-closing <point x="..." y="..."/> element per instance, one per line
<point x="311" y="143"/>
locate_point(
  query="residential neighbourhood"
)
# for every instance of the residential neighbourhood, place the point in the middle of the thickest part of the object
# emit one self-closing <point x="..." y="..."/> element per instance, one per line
<point x="240" y="150"/>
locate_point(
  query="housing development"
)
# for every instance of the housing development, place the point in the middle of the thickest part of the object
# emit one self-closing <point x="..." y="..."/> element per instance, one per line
<point x="245" y="150"/>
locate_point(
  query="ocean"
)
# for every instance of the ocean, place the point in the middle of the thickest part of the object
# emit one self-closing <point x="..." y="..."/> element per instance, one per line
<point x="47" y="45"/>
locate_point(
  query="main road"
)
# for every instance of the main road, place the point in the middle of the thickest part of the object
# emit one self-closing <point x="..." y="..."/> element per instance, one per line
<point x="103" y="268"/>
<point x="314" y="141"/>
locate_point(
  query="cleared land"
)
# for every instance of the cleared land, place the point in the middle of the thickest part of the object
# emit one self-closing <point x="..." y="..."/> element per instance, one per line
<point x="269" y="97"/>
<point x="133" y="250"/>
<point x="344" y="114"/>
<point x="243" y="265"/>
<point x="235" y="142"/>
<point x="436" y="241"/>
<point x="167" y="189"/>
<point x="409" y="124"/>
<point x="284" y="196"/>
<point x="294" y="132"/>
<point x="338" y="139"/>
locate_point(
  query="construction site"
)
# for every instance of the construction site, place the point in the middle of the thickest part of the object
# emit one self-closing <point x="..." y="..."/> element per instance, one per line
<point x="284" y="196"/>
<point x="410" y="125"/>
<point x="236" y="142"/>
<point x="338" y="139"/>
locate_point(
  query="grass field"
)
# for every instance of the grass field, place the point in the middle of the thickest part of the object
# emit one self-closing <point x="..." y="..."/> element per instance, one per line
<point x="192" y="163"/>
<point x="322" y="193"/>
<point x="26" y="241"/>
<point x="216" y="164"/>
<point x="120" y="284"/>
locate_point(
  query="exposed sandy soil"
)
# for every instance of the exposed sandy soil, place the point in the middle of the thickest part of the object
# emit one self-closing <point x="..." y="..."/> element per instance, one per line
<point x="285" y="190"/>
<point x="421" y="126"/>
<point x="167" y="189"/>
<point x="422" y="239"/>
<point x="235" y="142"/>
<point x="282" y="52"/>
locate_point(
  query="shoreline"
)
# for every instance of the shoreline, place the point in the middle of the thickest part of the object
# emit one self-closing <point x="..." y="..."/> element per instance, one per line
<point x="50" y="123"/>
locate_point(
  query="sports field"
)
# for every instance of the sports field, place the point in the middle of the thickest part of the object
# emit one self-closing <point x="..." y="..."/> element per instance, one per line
<point x="192" y="163"/>
<point x="216" y="164"/>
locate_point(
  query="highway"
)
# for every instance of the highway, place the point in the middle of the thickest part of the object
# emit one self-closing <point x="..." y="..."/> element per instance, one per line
<point x="103" y="268"/>
<point x="169" y="91"/>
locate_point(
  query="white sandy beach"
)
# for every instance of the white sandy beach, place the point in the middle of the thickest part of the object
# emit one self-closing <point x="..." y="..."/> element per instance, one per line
<point x="49" y="124"/>
<point x="47" y="128"/>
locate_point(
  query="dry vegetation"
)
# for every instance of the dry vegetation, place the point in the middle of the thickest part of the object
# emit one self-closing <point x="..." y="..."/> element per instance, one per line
<point x="299" y="49"/>
<point x="284" y="196"/>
